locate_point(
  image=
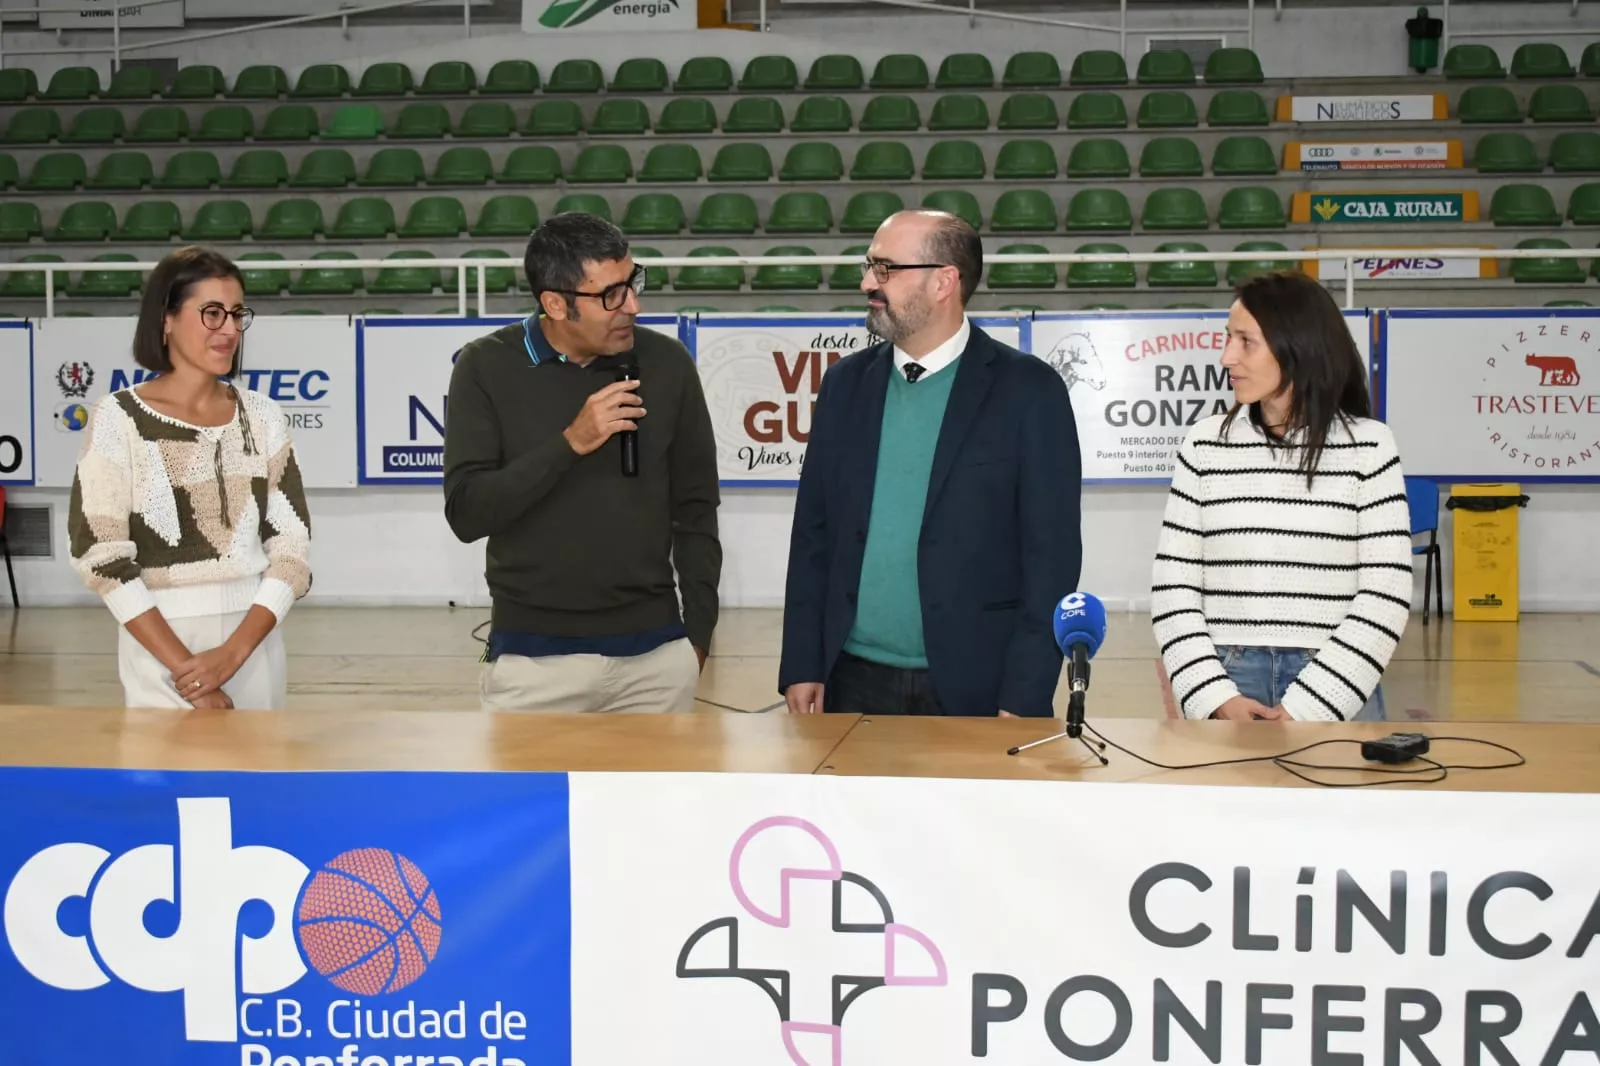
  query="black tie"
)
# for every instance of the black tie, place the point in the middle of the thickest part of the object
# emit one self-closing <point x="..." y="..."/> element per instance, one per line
<point x="913" y="372"/>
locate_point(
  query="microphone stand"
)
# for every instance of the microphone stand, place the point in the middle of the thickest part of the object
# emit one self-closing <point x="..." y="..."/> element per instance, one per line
<point x="1078" y="674"/>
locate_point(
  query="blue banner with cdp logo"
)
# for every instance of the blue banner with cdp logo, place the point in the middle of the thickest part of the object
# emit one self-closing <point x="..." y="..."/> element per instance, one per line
<point x="344" y="919"/>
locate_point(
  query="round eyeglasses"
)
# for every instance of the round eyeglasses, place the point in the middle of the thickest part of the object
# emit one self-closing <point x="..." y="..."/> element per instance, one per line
<point x="213" y="315"/>
<point x="612" y="297"/>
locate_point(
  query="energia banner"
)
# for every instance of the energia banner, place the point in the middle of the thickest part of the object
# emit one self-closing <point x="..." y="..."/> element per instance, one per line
<point x="415" y="919"/>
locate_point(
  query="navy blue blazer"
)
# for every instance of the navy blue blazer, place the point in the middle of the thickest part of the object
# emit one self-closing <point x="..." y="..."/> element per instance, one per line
<point x="1000" y="542"/>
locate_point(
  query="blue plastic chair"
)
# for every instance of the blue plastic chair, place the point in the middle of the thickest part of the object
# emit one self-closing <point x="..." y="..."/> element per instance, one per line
<point x="1422" y="499"/>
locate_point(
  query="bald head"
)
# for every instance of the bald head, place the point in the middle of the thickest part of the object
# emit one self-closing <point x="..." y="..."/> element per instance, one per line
<point x="925" y="266"/>
<point x="937" y="237"/>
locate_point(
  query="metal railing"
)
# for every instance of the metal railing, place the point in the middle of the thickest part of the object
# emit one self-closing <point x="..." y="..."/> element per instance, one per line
<point x="1449" y="34"/>
<point x="464" y="267"/>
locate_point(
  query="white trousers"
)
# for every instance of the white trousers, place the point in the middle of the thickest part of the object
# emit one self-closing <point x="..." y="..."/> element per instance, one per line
<point x="662" y="681"/>
<point x="261" y="684"/>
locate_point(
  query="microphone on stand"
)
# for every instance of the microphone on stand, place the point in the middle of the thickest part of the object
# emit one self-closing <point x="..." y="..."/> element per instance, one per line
<point x="629" y="439"/>
<point x="1080" y="629"/>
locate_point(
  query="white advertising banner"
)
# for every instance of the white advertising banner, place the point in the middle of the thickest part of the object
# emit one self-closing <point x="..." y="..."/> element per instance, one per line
<point x="101" y="14"/>
<point x="1422" y="107"/>
<point x="821" y="921"/>
<point x="305" y="364"/>
<point x="1372" y="155"/>
<point x="608" y="16"/>
<point x="1407" y="268"/>
<point x="1140" y="383"/>
<point x="16" y="404"/>
<point x="1495" y="395"/>
<point x="761" y="378"/>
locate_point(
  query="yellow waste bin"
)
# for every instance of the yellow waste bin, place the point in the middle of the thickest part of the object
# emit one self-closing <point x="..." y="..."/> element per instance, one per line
<point x="1485" y="585"/>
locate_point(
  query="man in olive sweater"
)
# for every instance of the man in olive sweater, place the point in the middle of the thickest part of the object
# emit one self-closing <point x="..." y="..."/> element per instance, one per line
<point x="581" y="555"/>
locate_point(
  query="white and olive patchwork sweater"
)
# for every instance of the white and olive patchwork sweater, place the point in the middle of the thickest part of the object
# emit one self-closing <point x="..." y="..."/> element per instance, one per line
<point x="192" y="520"/>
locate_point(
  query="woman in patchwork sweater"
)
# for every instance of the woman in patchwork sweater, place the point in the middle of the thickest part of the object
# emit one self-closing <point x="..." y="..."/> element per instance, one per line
<point x="187" y="515"/>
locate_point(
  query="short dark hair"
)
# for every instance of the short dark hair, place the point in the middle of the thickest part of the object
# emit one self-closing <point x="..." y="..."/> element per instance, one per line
<point x="561" y="246"/>
<point x="165" y="291"/>
<point x="953" y="240"/>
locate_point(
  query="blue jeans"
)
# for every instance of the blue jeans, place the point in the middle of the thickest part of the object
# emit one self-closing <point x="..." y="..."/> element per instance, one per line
<point x="1264" y="675"/>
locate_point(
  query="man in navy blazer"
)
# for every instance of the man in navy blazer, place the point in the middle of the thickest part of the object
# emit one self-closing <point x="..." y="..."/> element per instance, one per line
<point x="937" y="520"/>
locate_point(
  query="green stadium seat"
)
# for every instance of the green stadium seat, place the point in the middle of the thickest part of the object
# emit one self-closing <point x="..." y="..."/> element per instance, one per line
<point x="1187" y="306"/>
<point x="72" y="83"/>
<point x="1241" y="156"/>
<point x="1101" y="306"/>
<point x="883" y="161"/>
<point x="836" y="73"/>
<point x="1101" y="275"/>
<point x="104" y="125"/>
<point x="1025" y="161"/>
<point x="1568" y="303"/>
<point x="1546" y="271"/>
<point x="812" y="161"/>
<point x="704" y="74"/>
<point x="330" y="280"/>
<point x="355" y="122"/>
<point x="1241" y="269"/>
<point x="554" y="118"/>
<point x="1106" y="209"/>
<point x="1029" y="111"/>
<point x="1233" y="66"/>
<point x="1174" y="207"/>
<point x="1523" y="205"/>
<point x="640" y="76"/>
<point x="512" y="77"/>
<point x="754" y="114"/>
<point x="406" y="281"/>
<point x="1583" y="207"/>
<point x="429" y="121"/>
<point x="710" y="278"/>
<point x="109" y="284"/>
<point x="1251" y="207"/>
<point x="954" y="161"/>
<point x="292" y="220"/>
<point x="965" y="70"/>
<point x="1463" y="61"/>
<point x="203" y="82"/>
<point x="1032" y="70"/>
<point x="1098" y="67"/>
<point x="1023" y="275"/>
<point x="773" y="277"/>
<point x="619" y="117"/>
<point x="848" y="275"/>
<point x="220" y="220"/>
<point x="769" y="74"/>
<point x="263" y="281"/>
<point x="450" y="77"/>
<point x="687" y="115"/>
<point x="259" y="168"/>
<point x="463" y="166"/>
<point x="1098" y="158"/>
<point x="671" y="162"/>
<point x="488" y="118"/>
<point x="122" y="170"/>
<point x="532" y="164"/>
<point x="1167" y="110"/>
<point x="602" y="163"/>
<point x="1166" y="66"/>
<point x="891" y="114"/>
<point x="289" y="122"/>
<point x="18" y="84"/>
<point x="959" y="112"/>
<point x="1559" y="103"/>
<point x="57" y="172"/>
<point x="160" y="124"/>
<point x="321" y="81"/>
<point x="1541" y="60"/>
<point x="1024" y="211"/>
<point x="384" y="79"/>
<point x="1506" y="153"/>
<point x="190" y="170"/>
<point x="1488" y="104"/>
<point x="85" y="221"/>
<point x="506" y="216"/>
<point x="393" y="168"/>
<point x="1191" y="273"/>
<point x="741" y="162"/>
<point x="587" y="202"/>
<point x="31" y="283"/>
<point x="1238" y="107"/>
<point x="958" y="202"/>
<point x="324" y="168"/>
<point x="1170" y="157"/>
<point x="726" y="212"/>
<point x="655" y="277"/>
<point x="33" y="125"/>
<point x="1097" y="111"/>
<point x="19" y="222"/>
<point x="822" y="114"/>
<point x="152" y="221"/>
<point x="902" y="71"/>
<point x="775" y="309"/>
<point x="496" y="280"/>
<point x="865" y="211"/>
<point x="436" y="218"/>
<point x="9" y="173"/>
<point x="261" y="82"/>
<point x="654" y="214"/>
<point x="1575" y="153"/>
<point x="231" y="123"/>
<point x="1589" y="65"/>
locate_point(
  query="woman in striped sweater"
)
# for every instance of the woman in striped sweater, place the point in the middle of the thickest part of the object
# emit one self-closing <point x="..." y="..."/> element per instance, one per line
<point x="1282" y="581"/>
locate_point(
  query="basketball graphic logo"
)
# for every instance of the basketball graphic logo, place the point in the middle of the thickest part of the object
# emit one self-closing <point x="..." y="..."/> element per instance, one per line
<point x="369" y="922"/>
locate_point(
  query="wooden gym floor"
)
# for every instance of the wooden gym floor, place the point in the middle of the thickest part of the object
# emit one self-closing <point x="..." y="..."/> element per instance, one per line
<point x="1544" y="668"/>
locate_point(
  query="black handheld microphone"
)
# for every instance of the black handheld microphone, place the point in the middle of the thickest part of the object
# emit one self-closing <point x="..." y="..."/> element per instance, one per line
<point x="630" y="437"/>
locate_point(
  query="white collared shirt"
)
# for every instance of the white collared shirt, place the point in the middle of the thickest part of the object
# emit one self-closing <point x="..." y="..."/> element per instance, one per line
<point x="940" y="357"/>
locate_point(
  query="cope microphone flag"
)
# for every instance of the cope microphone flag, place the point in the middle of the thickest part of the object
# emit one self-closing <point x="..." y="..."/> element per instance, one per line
<point x="1080" y="629"/>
